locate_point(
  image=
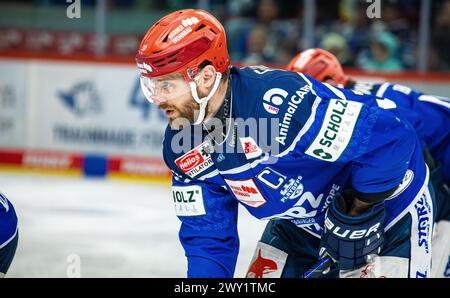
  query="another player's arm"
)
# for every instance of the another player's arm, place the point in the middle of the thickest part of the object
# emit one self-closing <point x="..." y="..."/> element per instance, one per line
<point x="379" y="153"/>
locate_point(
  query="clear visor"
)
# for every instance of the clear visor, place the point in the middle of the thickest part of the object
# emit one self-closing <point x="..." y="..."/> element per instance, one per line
<point x="164" y="88"/>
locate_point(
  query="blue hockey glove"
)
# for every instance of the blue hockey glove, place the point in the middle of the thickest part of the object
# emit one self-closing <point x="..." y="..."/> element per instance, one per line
<point x="351" y="240"/>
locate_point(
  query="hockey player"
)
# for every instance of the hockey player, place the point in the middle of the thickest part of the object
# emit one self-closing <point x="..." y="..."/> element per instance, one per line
<point x="430" y="117"/>
<point x="8" y="234"/>
<point x="421" y="108"/>
<point x="347" y="178"/>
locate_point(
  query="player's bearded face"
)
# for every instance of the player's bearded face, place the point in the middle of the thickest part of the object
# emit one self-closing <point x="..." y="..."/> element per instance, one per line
<point x="173" y="96"/>
<point x="177" y="111"/>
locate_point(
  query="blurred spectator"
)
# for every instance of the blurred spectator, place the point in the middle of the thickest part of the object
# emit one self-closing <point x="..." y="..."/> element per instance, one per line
<point x="441" y="36"/>
<point x="337" y="45"/>
<point x="341" y="27"/>
<point x="357" y="29"/>
<point x="257" y="41"/>
<point x="383" y="50"/>
<point x="267" y="14"/>
<point x="284" y="52"/>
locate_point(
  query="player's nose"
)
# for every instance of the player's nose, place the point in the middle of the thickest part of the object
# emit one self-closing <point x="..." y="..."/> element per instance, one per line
<point x="159" y="100"/>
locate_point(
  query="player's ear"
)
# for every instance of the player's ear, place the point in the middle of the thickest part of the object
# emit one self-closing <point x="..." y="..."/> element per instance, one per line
<point x="207" y="77"/>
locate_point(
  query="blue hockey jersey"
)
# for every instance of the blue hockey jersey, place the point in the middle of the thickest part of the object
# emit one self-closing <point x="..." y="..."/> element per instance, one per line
<point x="8" y="221"/>
<point x="429" y="115"/>
<point x="294" y="146"/>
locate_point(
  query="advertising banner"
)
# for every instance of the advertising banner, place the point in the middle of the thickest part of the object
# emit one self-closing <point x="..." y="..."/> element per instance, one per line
<point x="13" y="118"/>
<point x="92" y="109"/>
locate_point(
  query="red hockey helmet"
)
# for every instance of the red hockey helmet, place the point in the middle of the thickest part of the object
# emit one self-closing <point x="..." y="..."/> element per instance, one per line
<point x="180" y="42"/>
<point x="319" y="64"/>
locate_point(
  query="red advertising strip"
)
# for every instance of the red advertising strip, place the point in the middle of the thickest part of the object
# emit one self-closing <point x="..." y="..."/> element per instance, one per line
<point x="137" y="167"/>
<point x="435" y="77"/>
<point x="53" y="162"/>
<point x="42" y="161"/>
<point x="65" y="43"/>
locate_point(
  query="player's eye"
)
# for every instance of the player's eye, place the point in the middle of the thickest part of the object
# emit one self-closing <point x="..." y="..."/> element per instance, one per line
<point x="167" y="87"/>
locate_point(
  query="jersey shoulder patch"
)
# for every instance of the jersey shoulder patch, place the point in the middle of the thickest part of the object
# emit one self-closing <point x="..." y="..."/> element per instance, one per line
<point x="336" y="131"/>
<point x="188" y="200"/>
<point x="190" y="162"/>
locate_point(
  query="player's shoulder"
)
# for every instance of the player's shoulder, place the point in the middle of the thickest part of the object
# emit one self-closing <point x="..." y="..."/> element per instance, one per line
<point x="365" y="87"/>
<point x="263" y="92"/>
<point x="388" y="89"/>
<point x="259" y="72"/>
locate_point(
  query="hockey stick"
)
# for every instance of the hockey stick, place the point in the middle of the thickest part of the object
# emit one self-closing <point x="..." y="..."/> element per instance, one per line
<point x="319" y="268"/>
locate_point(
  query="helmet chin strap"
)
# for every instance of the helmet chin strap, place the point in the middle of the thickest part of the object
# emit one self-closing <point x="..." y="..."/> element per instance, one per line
<point x="204" y="100"/>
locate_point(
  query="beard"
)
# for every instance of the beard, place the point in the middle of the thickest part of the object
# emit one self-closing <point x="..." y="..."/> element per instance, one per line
<point x="184" y="115"/>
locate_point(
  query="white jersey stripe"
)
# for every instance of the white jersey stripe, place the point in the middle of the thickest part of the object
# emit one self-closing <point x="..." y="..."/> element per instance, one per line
<point x="336" y="91"/>
<point x="433" y="99"/>
<point x="419" y="193"/>
<point x="382" y="90"/>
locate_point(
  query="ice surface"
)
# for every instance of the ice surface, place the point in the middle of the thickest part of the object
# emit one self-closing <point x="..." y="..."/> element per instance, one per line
<point x="114" y="228"/>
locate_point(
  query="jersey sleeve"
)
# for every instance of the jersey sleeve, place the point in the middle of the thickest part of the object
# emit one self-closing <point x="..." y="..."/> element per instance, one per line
<point x="430" y="115"/>
<point x="210" y="238"/>
<point x="383" y="162"/>
<point x="208" y="231"/>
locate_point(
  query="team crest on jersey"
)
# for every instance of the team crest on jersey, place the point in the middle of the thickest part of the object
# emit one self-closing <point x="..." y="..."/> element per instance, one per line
<point x="195" y="161"/>
<point x="251" y="149"/>
<point x="336" y="131"/>
<point x="246" y="192"/>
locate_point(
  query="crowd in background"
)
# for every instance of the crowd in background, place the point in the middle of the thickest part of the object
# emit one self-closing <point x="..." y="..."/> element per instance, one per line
<point x="271" y="31"/>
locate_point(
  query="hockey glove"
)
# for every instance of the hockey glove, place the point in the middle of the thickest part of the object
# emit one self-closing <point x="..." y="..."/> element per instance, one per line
<point x="351" y="240"/>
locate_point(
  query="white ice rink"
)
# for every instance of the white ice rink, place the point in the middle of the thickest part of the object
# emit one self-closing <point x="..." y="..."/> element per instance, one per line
<point x="113" y="228"/>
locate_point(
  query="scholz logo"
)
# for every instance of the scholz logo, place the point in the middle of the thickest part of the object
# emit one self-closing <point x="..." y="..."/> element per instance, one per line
<point x="82" y="99"/>
<point x="322" y="154"/>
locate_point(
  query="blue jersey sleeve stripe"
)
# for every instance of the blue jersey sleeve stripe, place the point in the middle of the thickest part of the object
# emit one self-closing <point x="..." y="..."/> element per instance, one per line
<point x="209" y="175"/>
<point x="9" y="240"/>
<point x="247" y="166"/>
<point x="304" y="129"/>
